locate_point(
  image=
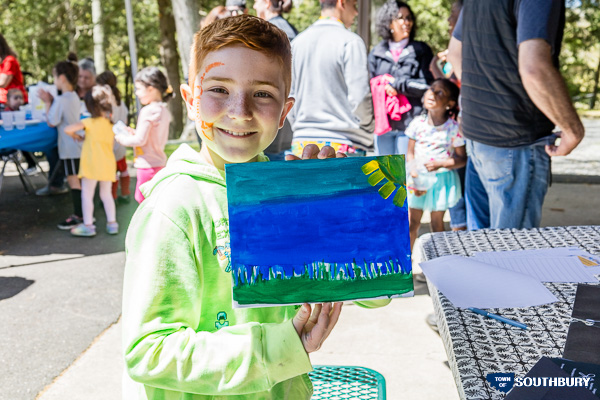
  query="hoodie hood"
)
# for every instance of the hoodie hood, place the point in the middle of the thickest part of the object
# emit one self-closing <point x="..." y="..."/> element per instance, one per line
<point x="187" y="161"/>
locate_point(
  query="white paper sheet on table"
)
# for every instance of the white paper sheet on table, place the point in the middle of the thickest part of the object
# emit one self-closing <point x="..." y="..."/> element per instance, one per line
<point x="560" y="264"/>
<point x="470" y="283"/>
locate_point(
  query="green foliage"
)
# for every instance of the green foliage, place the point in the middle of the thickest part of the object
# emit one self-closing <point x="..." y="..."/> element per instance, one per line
<point x="580" y="53"/>
<point x="304" y="13"/>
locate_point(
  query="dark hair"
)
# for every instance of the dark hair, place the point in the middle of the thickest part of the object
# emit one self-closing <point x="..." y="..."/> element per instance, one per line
<point x="454" y="93"/>
<point x="281" y="6"/>
<point x="99" y="101"/>
<point x="69" y="69"/>
<point x="72" y="56"/>
<point x="108" y="78"/>
<point x="387" y="14"/>
<point x="152" y="76"/>
<point x="5" y="49"/>
<point x="327" y="4"/>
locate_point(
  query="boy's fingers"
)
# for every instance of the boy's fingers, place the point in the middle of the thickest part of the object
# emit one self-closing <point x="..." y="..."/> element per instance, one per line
<point x="326" y="152"/>
<point x="314" y="317"/>
<point x="310" y="152"/>
<point x="334" y="315"/>
<point x="301" y="318"/>
<point x="291" y="157"/>
<point x="340" y="155"/>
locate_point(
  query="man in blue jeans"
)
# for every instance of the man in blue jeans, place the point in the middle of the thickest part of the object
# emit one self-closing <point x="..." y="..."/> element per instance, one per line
<point x="506" y="54"/>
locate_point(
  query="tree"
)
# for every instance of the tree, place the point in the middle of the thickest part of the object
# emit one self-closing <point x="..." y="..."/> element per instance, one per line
<point x="187" y="21"/>
<point x="98" y="36"/>
<point x="170" y="60"/>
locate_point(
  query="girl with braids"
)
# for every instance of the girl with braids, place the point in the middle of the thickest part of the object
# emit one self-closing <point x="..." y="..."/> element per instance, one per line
<point x="152" y="130"/>
<point x="435" y="142"/>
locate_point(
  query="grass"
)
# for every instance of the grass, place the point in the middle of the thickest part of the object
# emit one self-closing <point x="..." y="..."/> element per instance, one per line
<point x="302" y="289"/>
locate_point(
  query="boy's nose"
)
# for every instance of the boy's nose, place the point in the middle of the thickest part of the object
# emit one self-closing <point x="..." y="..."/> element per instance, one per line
<point x="239" y="108"/>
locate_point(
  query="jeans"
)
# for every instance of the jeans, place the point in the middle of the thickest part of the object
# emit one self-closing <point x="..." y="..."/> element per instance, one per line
<point x="392" y="142"/>
<point x="458" y="213"/>
<point x="509" y="186"/>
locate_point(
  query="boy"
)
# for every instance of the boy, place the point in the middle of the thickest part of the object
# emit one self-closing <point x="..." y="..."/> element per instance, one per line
<point x="61" y="112"/>
<point x="181" y="336"/>
<point x="14" y="100"/>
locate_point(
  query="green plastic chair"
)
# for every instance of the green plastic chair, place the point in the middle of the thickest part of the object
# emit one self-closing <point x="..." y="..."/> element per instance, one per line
<point x="331" y="382"/>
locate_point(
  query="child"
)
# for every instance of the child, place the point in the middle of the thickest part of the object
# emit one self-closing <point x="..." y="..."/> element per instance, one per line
<point x="61" y="112"/>
<point x="181" y="336"/>
<point x="152" y="131"/>
<point x="14" y="100"/>
<point x="434" y="139"/>
<point x="119" y="113"/>
<point x="98" y="163"/>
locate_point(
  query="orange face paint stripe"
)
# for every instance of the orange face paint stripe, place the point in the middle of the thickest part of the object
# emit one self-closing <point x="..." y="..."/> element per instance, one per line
<point x="205" y="125"/>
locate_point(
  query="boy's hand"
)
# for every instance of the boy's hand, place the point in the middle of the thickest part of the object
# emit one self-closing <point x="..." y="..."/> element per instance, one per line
<point x="314" y="329"/>
<point x="420" y="193"/>
<point x="312" y="152"/>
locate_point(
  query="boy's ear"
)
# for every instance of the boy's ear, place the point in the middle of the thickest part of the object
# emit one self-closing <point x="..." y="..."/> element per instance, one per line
<point x="188" y="97"/>
<point x="289" y="103"/>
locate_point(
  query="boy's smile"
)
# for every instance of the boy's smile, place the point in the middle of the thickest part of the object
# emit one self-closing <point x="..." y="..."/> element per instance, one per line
<point x="238" y="102"/>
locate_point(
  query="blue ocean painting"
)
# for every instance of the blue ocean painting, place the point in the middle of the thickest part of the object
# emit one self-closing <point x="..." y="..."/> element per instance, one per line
<point x="319" y="230"/>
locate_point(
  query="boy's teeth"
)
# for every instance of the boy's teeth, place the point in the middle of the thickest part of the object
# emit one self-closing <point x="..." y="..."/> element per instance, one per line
<point x="237" y="133"/>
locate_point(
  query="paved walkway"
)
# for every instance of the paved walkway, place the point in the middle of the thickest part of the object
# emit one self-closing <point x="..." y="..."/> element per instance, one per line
<point x="60" y="301"/>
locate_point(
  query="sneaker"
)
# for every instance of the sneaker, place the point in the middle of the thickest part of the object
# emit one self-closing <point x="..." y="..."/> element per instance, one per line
<point x="31" y="171"/>
<point x="71" y="222"/>
<point x="84" y="230"/>
<point x="124" y="199"/>
<point x="51" y="190"/>
<point x="112" y="228"/>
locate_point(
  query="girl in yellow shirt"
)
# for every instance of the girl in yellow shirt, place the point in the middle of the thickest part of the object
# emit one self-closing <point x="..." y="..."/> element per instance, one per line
<point x="97" y="164"/>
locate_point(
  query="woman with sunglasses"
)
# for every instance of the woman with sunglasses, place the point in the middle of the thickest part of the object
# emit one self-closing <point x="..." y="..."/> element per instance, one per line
<point x="405" y="61"/>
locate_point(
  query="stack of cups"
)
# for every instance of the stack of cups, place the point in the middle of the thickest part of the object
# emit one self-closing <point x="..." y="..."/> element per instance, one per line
<point x="7" y="120"/>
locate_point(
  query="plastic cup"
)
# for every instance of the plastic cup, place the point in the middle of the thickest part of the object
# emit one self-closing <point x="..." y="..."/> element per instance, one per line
<point x="19" y="119"/>
<point x="7" y="120"/>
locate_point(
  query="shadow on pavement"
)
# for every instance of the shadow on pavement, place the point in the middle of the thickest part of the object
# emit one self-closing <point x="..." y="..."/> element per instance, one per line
<point x="28" y="224"/>
<point x="13" y="285"/>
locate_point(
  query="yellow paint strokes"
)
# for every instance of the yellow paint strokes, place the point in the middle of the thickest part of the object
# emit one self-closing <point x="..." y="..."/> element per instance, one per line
<point x="586" y="262"/>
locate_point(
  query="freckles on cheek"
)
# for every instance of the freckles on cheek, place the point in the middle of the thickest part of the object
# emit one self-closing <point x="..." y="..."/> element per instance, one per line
<point x="205" y="127"/>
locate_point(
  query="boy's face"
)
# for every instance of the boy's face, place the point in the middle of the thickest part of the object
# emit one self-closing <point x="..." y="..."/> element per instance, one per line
<point x="15" y="100"/>
<point x="238" y="102"/>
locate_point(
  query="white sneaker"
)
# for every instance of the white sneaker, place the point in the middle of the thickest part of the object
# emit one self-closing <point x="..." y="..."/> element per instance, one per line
<point x="31" y="171"/>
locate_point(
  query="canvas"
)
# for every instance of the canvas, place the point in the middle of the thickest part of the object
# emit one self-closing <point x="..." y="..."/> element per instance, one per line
<point x="319" y="230"/>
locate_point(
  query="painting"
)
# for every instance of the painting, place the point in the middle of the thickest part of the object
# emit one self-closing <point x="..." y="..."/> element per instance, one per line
<point x="318" y="230"/>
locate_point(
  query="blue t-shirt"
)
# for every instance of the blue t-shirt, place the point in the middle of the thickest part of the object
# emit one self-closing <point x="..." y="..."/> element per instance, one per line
<point x="536" y="19"/>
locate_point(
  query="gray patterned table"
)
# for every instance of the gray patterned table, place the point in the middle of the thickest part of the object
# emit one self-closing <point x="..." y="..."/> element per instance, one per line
<point x="477" y="346"/>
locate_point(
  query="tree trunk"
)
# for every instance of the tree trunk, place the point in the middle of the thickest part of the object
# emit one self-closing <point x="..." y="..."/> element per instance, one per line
<point x="98" y="37"/>
<point x="187" y="21"/>
<point x="170" y="59"/>
<point x="71" y="27"/>
<point x="596" y="81"/>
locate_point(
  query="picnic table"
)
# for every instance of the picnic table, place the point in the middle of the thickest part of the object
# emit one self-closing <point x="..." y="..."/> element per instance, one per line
<point x="477" y="346"/>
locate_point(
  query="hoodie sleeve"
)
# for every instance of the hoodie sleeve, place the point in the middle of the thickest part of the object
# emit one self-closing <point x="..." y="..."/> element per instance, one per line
<point x="162" y="307"/>
<point x="356" y="76"/>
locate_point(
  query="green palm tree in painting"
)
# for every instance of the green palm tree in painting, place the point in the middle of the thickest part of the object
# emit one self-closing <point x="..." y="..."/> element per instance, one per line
<point x="393" y="170"/>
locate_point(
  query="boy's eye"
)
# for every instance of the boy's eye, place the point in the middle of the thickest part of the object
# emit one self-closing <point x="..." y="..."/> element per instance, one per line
<point x="263" y="94"/>
<point x="218" y="90"/>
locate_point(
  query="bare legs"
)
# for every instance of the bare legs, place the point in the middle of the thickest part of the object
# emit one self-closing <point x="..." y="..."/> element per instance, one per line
<point x="414" y="217"/>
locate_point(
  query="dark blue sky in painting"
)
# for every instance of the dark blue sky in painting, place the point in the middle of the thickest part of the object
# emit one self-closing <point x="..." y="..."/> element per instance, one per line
<point x="281" y="224"/>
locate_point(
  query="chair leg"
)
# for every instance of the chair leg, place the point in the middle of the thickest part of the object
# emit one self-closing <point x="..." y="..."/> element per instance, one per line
<point x="27" y="184"/>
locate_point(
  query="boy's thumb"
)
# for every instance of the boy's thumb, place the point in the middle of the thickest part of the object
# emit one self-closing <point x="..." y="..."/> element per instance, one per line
<point x="301" y="317"/>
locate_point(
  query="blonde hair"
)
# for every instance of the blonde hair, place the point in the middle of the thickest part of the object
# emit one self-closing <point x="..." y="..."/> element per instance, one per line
<point x="252" y="32"/>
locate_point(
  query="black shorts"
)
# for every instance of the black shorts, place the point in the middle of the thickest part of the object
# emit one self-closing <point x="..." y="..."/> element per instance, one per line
<point x="71" y="166"/>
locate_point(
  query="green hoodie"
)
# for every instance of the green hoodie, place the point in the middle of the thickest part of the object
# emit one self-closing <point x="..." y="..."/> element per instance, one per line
<point x="181" y="337"/>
